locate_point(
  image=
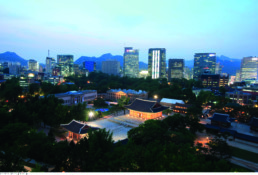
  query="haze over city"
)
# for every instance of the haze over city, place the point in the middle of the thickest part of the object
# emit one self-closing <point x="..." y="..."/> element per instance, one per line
<point x="95" y="27"/>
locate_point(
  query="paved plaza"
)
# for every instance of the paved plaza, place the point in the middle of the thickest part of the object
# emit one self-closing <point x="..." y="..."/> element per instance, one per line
<point x="119" y="125"/>
<point x="239" y="127"/>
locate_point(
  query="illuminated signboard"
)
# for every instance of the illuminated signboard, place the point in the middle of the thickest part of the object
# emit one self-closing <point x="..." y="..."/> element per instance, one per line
<point x="212" y="55"/>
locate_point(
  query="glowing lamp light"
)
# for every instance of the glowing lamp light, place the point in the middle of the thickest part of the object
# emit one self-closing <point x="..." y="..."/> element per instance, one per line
<point x="91" y="114"/>
<point x="31" y="75"/>
<point x="155" y="96"/>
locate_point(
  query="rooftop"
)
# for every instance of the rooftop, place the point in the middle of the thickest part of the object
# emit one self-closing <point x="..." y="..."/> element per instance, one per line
<point x="75" y="93"/>
<point x="128" y="91"/>
<point x="146" y="106"/>
<point x="77" y="127"/>
<point x="220" y="117"/>
<point x="171" y="101"/>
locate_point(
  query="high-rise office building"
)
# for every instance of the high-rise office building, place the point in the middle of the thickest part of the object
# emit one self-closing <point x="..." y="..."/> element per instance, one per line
<point x="203" y="63"/>
<point x="33" y="65"/>
<point x="15" y="68"/>
<point x="90" y="66"/>
<point x="157" y="63"/>
<point x="188" y="73"/>
<point x="238" y="79"/>
<point x="175" y="68"/>
<point x="66" y="64"/>
<point x="249" y="68"/>
<point x="50" y="64"/>
<point x="131" y="62"/>
<point x="111" y="67"/>
<point x="218" y="69"/>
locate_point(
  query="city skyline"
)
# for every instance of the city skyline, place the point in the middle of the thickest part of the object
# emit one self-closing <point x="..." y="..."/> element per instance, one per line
<point x="93" y="28"/>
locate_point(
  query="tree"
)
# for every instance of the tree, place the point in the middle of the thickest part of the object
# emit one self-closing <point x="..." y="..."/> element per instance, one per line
<point x="219" y="147"/>
<point x="122" y="102"/>
<point x="33" y="88"/>
<point x="99" y="103"/>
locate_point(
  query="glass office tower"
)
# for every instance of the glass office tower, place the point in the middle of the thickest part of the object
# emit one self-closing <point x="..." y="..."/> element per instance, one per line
<point x="249" y="68"/>
<point x="203" y="63"/>
<point x="157" y="63"/>
<point x="175" y="68"/>
<point x="131" y="62"/>
<point x="66" y="64"/>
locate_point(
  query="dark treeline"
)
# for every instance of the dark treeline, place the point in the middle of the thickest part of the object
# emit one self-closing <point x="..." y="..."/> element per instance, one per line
<point x="103" y="82"/>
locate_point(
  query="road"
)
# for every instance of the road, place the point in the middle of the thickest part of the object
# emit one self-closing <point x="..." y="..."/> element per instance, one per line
<point x="244" y="163"/>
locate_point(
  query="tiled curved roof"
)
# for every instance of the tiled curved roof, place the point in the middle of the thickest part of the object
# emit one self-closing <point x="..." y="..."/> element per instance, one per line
<point x="77" y="127"/>
<point x="220" y="117"/>
<point x="145" y="106"/>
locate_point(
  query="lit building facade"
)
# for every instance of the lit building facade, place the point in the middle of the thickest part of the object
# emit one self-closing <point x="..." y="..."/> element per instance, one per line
<point x="249" y="68"/>
<point x="204" y="62"/>
<point x="33" y="65"/>
<point x="115" y="94"/>
<point x="65" y="62"/>
<point x="218" y="69"/>
<point x="145" y="109"/>
<point x="111" y="67"/>
<point x="75" y="97"/>
<point x="215" y="80"/>
<point x="76" y="69"/>
<point x="143" y="74"/>
<point x="50" y="64"/>
<point x="188" y="73"/>
<point x="157" y="63"/>
<point x="77" y="130"/>
<point x="131" y="62"/>
<point x="242" y="98"/>
<point x="175" y="69"/>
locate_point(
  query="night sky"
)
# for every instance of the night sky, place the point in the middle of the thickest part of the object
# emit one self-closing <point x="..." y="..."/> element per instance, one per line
<point x="95" y="27"/>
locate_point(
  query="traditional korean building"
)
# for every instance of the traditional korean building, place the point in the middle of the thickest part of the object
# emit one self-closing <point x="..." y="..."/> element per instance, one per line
<point x="145" y="109"/>
<point x="221" y="120"/>
<point x="115" y="94"/>
<point x="181" y="108"/>
<point x="77" y="130"/>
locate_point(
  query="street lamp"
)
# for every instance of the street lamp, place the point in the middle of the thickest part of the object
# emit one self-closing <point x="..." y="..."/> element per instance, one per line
<point x="155" y="96"/>
<point x="91" y="114"/>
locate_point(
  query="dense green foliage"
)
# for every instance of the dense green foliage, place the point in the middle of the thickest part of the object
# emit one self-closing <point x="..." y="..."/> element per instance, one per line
<point x="154" y="146"/>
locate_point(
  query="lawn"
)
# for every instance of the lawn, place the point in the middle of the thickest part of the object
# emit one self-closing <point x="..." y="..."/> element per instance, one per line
<point x="243" y="154"/>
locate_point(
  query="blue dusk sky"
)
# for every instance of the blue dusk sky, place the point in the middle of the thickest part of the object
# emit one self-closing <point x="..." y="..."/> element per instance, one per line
<point x="95" y="27"/>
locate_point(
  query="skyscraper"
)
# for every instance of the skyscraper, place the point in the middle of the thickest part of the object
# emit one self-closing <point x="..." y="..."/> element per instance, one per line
<point x="90" y="66"/>
<point x="157" y="63"/>
<point x="33" y="65"/>
<point x="175" y="68"/>
<point x="50" y="64"/>
<point x="203" y="63"/>
<point x="218" y="69"/>
<point x="111" y="67"/>
<point x="131" y="62"/>
<point x="249" y="68"/>
<point x="15" y="68"/>
<point x="66" y="64"/>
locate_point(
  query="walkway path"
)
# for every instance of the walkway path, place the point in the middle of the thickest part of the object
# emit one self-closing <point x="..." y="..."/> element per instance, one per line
<point x="245" y="145"/>
<point x="244" y="163"/>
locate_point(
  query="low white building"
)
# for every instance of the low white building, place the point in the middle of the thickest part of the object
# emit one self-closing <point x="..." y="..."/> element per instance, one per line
<point x="75" y="97"/>
<point x="170" y="102"/>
